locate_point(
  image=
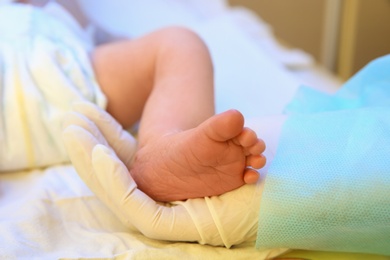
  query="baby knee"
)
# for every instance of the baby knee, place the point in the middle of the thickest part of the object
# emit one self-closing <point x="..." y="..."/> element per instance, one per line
<point x="185" y="41"/>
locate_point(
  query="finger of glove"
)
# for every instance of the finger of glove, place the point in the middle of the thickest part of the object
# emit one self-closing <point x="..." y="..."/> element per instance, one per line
<point x="74" y="118"/>
<point x="121" y="141"/>
<point x="135" y="208"/>
<point x="79" y="144"/>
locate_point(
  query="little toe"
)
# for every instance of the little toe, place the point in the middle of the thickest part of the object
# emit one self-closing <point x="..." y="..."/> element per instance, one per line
<point x="256" y="161"/>
<point x="250" y="176"/>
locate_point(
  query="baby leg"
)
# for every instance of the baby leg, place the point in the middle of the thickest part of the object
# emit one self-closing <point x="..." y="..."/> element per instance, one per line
<point x="167" y="77"/>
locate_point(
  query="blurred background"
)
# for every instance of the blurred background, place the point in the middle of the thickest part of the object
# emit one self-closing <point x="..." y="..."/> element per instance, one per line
<point x="342" y="35"/>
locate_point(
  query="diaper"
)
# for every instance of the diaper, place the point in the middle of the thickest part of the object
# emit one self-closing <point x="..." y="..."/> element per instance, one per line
<point x="44" y="68"/>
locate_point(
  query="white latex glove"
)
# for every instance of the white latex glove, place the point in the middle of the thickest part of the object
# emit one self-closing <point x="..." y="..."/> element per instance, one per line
<point x="98" y="148"/>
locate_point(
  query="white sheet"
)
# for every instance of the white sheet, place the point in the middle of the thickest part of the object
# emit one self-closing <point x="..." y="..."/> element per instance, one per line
<point x="51" y="214"/>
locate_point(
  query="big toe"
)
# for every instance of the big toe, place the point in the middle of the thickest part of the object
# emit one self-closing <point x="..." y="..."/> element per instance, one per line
<point x="224" y="126"/>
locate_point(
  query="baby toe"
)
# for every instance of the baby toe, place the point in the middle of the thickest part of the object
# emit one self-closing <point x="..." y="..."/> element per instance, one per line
<point x="247" y="138"/>
<point x="255" y="149"/>
<point x="250" y="176"/>
<point x="256" y="161"/>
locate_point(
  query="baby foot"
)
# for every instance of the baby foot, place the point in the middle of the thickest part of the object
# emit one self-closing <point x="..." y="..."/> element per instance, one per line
<point x="208" y="160"/>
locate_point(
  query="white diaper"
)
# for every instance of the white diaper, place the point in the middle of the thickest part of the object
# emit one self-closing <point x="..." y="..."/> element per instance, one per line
<point x="44" y="68"/>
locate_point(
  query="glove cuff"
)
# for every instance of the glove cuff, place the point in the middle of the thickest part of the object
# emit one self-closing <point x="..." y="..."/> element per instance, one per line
<point x="229" y="219"/>
<point x="203" y="220"/>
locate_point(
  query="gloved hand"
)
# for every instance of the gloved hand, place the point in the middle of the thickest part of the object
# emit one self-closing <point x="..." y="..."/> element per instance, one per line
<point x="100" y="150"/>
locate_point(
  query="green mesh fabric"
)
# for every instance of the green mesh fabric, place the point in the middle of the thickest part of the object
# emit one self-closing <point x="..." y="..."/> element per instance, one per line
<point x="328" y="188"/>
